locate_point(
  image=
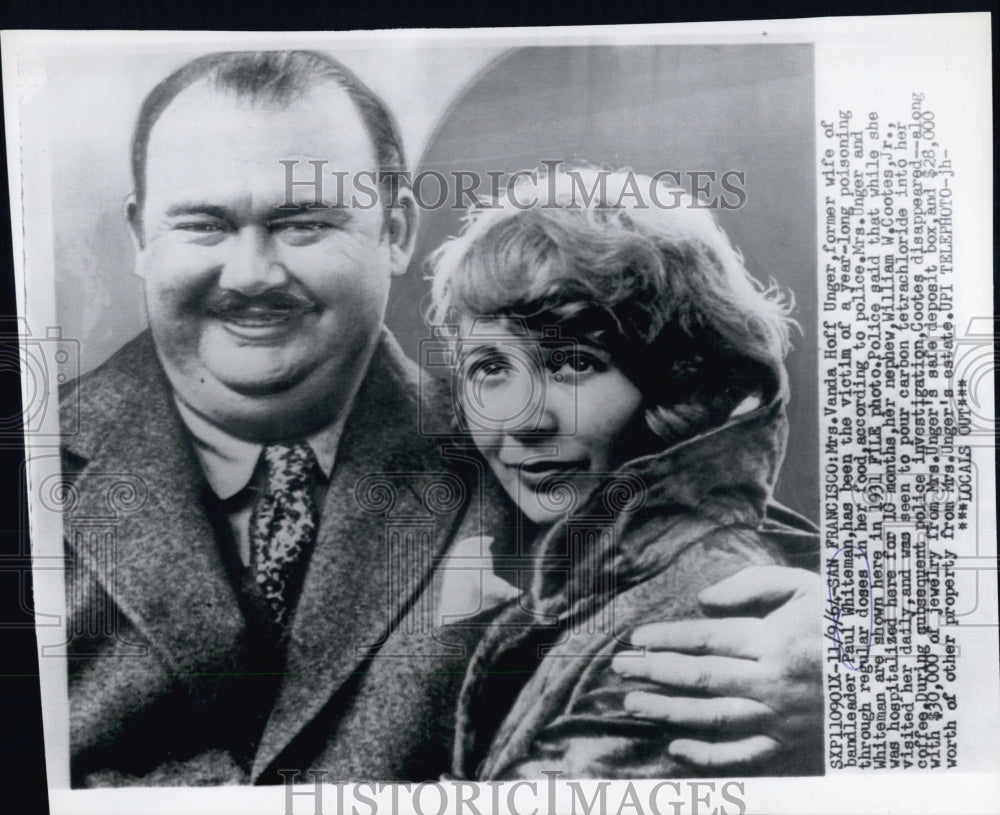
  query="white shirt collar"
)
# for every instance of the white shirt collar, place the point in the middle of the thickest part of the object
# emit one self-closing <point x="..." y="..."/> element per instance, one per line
<point x="229" y="462"/>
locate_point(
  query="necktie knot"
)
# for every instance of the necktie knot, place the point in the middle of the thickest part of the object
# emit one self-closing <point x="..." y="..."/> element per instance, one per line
<point x="289" y="467"/>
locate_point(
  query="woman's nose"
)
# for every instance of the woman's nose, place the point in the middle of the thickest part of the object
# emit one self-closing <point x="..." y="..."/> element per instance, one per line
<point x="504" y="404"/>
<point x="252" y="266"/>
<point x="534" y="409"/>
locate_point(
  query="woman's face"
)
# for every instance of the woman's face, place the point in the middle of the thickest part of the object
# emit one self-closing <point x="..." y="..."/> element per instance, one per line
<point x="551" y="416"/>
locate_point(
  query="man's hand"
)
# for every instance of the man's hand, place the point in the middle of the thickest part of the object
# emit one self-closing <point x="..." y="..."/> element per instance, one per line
<point x="763" y="673"/>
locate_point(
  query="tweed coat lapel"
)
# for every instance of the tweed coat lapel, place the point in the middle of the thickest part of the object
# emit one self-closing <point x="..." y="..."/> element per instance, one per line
<point x="136" y="475"/>
<point x="390" y="509"/>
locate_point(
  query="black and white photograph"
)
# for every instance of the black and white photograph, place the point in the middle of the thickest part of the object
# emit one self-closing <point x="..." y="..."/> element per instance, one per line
<point x="533" y="421"/>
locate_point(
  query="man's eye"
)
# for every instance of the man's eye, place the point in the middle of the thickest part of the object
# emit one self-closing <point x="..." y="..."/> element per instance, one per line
<point x="301" y="226"/>
<point x="203" y="227"/>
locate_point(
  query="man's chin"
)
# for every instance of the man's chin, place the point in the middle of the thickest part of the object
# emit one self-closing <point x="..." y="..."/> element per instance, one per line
<point x="258" y="398"/>
<point x="271" y="416"/>
<point x="256" y="408"/>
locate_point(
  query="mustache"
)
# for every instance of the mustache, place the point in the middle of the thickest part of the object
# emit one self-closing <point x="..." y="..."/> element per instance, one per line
<point x="221" y="303"/>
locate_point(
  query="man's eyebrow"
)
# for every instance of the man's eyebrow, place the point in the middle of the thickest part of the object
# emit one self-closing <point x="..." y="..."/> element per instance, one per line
<point x="198" y="208"/>
<point x="292" y="210"/>
<point x="340" y="214"/>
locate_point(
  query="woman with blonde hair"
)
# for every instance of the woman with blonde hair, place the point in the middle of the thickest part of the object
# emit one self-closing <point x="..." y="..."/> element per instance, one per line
<point x="622" y="375"/>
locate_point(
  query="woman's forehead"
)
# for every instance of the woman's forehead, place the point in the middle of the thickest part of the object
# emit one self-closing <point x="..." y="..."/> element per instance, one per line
<point x="476" y="334"/>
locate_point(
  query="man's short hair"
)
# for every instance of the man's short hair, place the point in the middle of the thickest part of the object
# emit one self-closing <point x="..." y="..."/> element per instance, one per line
<point x="276" y="78"/>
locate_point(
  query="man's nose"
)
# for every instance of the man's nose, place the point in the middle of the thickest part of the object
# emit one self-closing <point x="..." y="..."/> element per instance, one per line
<point x="252" y="266"/>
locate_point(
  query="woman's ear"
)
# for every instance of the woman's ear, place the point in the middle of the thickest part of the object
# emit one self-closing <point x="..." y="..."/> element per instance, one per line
<point x="401" y="228"/>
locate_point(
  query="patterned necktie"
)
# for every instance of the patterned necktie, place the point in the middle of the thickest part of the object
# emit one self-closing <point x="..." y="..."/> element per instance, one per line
<point x="283" y="524"/>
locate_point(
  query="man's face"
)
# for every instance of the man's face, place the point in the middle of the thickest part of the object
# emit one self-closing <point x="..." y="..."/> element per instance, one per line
<point x="264" y="317"/>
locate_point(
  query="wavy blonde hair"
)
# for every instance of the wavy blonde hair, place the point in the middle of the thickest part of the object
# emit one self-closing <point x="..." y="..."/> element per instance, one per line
<point x="662" y="287"/>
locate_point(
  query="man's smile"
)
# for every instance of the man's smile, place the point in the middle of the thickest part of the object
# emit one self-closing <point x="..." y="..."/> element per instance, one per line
<point x="262" y="318"/>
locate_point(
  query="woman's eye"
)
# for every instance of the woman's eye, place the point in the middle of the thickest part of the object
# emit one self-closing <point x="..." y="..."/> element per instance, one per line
<point x="489" y="367"/>
<point x="575" y="363"/>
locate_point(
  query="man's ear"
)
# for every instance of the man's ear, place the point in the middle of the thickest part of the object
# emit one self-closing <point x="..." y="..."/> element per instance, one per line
<point x="133" y="215"/>
<point x="402" y="230"/>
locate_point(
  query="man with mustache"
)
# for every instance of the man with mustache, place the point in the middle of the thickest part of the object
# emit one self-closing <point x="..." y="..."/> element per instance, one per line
<point x="266" y="607"/>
